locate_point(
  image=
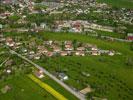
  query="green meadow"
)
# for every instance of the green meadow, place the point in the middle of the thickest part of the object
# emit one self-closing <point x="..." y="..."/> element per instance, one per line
<point x="119" y="3"/>
<point x="23" y="88"/>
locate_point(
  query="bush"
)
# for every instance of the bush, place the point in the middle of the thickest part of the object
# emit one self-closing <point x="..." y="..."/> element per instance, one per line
<point x="129" y="62"/>
<point x="131" y="46"/>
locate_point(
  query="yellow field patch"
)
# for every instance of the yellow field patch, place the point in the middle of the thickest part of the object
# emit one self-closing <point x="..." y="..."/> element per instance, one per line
<point x="48" y="88"/>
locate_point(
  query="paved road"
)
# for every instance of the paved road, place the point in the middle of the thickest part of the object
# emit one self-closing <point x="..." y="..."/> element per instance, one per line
<point x="75" y="93"/>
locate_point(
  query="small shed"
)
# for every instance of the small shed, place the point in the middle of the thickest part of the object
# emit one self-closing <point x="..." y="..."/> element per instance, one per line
<point x="86" y="90"/>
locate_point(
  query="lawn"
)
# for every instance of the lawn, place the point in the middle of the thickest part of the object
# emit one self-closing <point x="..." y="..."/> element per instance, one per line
<point x="119" y="3"/>
<point x="24" y="89"/>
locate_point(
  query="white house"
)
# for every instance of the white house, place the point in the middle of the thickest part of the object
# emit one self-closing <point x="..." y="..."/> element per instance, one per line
<point x="63" y="76"/>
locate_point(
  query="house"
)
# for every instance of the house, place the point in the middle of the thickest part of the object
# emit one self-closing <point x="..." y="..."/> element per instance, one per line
<point x="77" y="26"/>
<point x="18" y="43"/>
<point x="63" y="53"/>
<point x="80" y="53"/>
<point x="31" y="52"/>
<point x="37" y="56"/>
<point x="68" y="46"/>
<point x="94" y="48"/>
<point x="10" y="42"/>
<point x="50" y="54"/>
<point x="24" y="50"/>
<point x="33" y="25"/>
<point x="111" y="53"/>
<point x="56" y="49"/>
<point x="43" y="25"/>
<point x="81" y="49"/>
<point x="39" y="74"/>
<point x="77" y="30"/>
<point x="7" y="1"/>
<point x="95" y="52"/>
<point x="48" y="42"/>
<point x="31" y="56"/>
<point x="42" y="49"/>
<point x="130" y="36"/>
<point x="63" y="76"/>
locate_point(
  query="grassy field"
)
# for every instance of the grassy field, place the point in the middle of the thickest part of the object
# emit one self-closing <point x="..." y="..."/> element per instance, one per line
<point x="119" y="3"/>
<point x="112" y="34"/>
<point x="24" y="89"/>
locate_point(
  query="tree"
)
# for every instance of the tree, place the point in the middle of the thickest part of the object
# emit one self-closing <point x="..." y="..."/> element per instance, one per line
<point x="62" y="45"/>
<point x="75" y="44"/>
<point x="129" y="62"/>
<point x="131" y="46"/>
<point x="98" y="35"/>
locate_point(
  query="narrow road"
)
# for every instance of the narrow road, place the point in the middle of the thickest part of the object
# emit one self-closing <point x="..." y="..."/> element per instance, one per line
<point x="109" y="37"/>
<point x="75" y="93"/>
<point x="4" y="62"/>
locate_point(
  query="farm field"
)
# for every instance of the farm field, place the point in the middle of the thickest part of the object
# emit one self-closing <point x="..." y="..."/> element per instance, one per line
<point x="47" y="87"/>
<point x="58" y="88"/>
<point x="119" y="3"/>
<point x="24" y="89"/>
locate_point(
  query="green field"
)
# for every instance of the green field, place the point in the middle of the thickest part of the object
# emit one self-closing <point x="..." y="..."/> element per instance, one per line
<point x="119" y="3"/>
<point x="112" y="34"/>
<point x="24" y="89"/>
